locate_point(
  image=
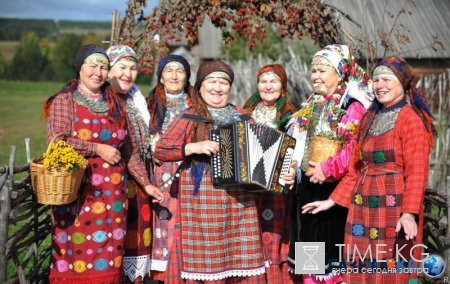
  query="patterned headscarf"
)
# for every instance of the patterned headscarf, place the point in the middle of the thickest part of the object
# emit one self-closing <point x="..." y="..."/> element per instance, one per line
<point x="173" y="57"/>
<point x="156" y="100"/>
<point x="283" y="105"/>
<point x="218" y="67"/>
<point x="116" y="108"/>
<point x="84" y="52"/>
<point x="119" y="52"/>
<point x="355" y="82"/>
<point x="398" y="67"/>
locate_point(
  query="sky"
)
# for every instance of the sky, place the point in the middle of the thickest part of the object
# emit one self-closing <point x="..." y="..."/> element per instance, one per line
<point x="89" y="10"/>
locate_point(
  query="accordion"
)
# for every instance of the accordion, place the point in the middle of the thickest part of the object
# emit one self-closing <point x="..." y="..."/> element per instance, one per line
<point x="252" y="155"/>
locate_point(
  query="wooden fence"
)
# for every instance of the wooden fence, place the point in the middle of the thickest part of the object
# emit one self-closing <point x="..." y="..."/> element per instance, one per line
<point x="26" y="247"/>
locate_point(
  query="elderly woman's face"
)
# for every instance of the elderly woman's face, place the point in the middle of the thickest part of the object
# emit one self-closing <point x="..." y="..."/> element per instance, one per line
<point x="325" y="79"/>
<point x="93" y="75"/>
<point x="215" y="92"/>
<point x="174" y="79"/>
<point x="388" y="90"/>
<point x="269" y="87"/>
<point x="122" y="75"/>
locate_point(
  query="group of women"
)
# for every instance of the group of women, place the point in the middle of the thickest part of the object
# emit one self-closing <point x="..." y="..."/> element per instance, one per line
<point x="148" y="209"/>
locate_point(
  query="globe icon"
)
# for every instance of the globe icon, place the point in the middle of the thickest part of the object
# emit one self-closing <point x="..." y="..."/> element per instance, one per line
<point x="434" y="265"/>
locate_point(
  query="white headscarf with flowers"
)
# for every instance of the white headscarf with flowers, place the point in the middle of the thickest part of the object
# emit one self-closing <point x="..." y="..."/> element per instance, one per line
<point x="356" y="84"/>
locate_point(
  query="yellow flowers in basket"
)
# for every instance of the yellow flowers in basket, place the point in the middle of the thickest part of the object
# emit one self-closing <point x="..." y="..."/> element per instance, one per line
<point x="57" y="175"/>
<point x="63" y="156"/>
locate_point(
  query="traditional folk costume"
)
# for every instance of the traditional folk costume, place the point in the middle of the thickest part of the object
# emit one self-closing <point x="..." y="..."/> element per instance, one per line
<point x="89" y="233"/>
<point x="219" y="239"/>
<point x="136" y="259"/>
<point x="274" y="211"/>
<point x="387" y="178"/>
<point x="342" y="111"/>
<point x="163" y="109"/>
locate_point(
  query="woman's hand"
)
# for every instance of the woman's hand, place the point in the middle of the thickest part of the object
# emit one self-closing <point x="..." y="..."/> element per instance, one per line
<point x="207" y="147"/>
<point x="108" y="153"/>
<point x="409" y="225"/>
<point x="316" y="175"/>
<point x="317" y="206"/>
<point x="289" y="178"/>
<point x="155" y="192"/>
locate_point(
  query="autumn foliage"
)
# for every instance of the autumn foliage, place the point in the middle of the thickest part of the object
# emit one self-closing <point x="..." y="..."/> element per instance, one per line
<point x="172" y="20"/>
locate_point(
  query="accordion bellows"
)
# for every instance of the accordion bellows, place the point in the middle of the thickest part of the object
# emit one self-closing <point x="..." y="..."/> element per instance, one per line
<point x="252" y="155"/>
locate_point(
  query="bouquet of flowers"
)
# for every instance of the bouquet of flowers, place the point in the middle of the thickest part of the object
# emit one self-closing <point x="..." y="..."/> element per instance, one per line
<point x="57" y="175"/>
<point x="325" y="123"/>
<point x="322" y="116"/>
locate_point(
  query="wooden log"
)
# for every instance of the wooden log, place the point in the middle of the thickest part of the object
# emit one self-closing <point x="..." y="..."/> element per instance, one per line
<point x="443" y="223"/>
<point x="431" y="217"/>
<point x="434" y="235"/>
<point x="5" y="207"/>
<point x="441" y="193"/>
<point x="439" y="203"/>
<point x="447" y="235"/>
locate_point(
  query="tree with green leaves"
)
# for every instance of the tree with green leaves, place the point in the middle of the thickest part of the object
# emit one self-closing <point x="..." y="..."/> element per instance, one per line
<point x="61" y="56"/>
<point x="30" y="60"/>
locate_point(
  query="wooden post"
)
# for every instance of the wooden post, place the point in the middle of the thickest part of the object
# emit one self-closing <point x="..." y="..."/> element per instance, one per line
<point x="27" y="149"/>
<point x="5" y="207"/>
<point x="113" y="29"/>
<point x="447" y="235"/>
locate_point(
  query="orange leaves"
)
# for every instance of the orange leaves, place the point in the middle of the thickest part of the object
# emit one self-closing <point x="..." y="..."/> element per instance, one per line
<point x="174" y="19"/>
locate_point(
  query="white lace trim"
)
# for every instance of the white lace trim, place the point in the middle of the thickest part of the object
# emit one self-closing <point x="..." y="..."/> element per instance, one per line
<point x="223" y="275"/>
<point x="136" y="266"/>
<point x="158" y="265"/>
<point x="326" y="277"/>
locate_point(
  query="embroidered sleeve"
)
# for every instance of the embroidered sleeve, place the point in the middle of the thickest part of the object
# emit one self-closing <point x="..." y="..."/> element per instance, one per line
<point x="337" y="166"/>
<point x="60" y="120"/>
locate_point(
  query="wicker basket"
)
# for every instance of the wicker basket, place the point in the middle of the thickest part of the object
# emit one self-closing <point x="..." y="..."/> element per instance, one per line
<point x="322" y="148"/>
<point x="54" y="187"/>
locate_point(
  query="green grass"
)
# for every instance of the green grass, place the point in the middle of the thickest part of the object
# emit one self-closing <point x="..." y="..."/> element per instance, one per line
<point x="20" y="108"/>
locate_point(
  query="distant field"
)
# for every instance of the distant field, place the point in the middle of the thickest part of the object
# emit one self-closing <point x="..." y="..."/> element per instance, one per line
<point x="8" y="49"/>
<point x="80" y="31"/>
<point x="20" y="110"/>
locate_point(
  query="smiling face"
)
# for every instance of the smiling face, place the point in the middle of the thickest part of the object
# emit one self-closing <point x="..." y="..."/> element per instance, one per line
<point x="93" y="75"/>
<point x="215" y="92"/>
<point x="388" y="90"/>
<point x="174" y="79"/>
<point x="122" y="75"/>
<point x="269" y="88"/>
<point x="325" y="79"/>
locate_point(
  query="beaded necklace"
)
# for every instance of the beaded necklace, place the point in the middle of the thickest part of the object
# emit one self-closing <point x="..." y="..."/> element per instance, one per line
<point x="224" y="115"/>
<point x="96" y="105"/>
<point x="88" y="93"/>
